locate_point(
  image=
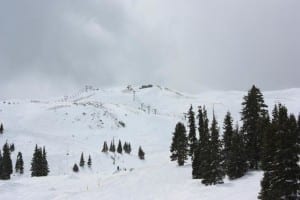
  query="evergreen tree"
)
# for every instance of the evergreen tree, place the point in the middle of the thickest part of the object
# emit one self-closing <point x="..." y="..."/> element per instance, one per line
<point x="253" y="110"/>
<point x="125" y="147"/>
<point x="89" y="162"/>
<point x="236" y="163"/>
<point x="119" y="149"/>
<point x="141" y="153"/>
<point x="75" y="168"/>
<point x="129" y="148"/>
<point x="201" y="155"/>
<point x="214" y="171"/>
<point x="112" y="147"/>
<point x="227" y="139"/>
<point x="281" y="169"/>
<point x="192" y="139"/>
<point x="7" y="167"/>
<point x="179" y="146"/>
<point x="81" y="162"/>
<point x="39" y="163"/>
<point x="1" y="128"/>
<point x="105" y="147"/>
<point x="19" y="167"/>
<point x="45" y="167"/>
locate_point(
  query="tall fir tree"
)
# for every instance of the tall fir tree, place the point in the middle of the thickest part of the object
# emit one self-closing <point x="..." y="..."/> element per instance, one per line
<point x="214" y="172"/>
<point x="179" y="146"/>
<point x="81" y="162"/>
<point x="105" y="147"/>
<point x="227" y="139"/>
<point x="253" y="110"/>
<point x="201" y="154"/>
<point x="192" y="138"/>
<point x="6" y="164"/>
<point x="19" y="167"/>
<point x="120" y="149"/>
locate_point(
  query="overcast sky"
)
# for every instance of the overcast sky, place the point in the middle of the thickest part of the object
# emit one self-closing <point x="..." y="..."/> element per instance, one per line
<point x="55" y="47"/>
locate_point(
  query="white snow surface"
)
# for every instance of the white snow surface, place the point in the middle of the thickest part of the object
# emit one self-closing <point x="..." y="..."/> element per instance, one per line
<point x="82" y="122"/>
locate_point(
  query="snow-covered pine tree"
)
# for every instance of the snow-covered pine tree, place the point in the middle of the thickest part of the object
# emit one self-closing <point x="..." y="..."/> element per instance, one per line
<point x="120" y="149"/>
<point x="179" y="146"/>
<point x="89" y="163"/>
<point x="192" y="138"/>
<point x="141" y="153"/>
<point x="253" y="110"/>
<point x="81" y="162"/>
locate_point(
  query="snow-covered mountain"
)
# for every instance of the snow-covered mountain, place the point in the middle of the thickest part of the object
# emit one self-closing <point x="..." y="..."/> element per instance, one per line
<point x="143" y="116"/>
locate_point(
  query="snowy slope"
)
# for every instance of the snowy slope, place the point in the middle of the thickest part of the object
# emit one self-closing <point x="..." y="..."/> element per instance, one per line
<point x="83" y="121"/>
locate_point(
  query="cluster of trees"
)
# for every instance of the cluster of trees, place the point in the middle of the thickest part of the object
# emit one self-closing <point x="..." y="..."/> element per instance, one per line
<point x="82" y="163"/>
<point x="39" y="163"/>
<point x="120" y="148"/>
<point x="261" y="143"/>
<point x="6" y="166"/>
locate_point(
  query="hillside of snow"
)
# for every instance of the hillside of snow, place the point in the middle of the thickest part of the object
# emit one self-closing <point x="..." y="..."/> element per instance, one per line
<point x="81" y="122"/>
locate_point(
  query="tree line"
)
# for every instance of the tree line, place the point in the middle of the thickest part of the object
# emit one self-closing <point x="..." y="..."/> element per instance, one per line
<point x="263" y="142"/>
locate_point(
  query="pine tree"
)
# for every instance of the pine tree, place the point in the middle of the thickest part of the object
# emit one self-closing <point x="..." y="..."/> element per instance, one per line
<point x="105" y="147"/>
<point x="89" y="162"/>
<point x="39" y="163"/>
<point x="141" y="153"/>
<point x="19" y="167"/>
<point x="281" y="169"/>
<point x="75" y="168"/>
<point x="179" y="146"/>
<point x="192" y="139"/>
<point x="125" y="147"/>
<point x="1" y="128"/>
<point x="81" y="162"/>
<point x="119" y="149"/>
<point x="129" y="148"/>
<point x="45" y="167"/>
<point x="253" y="110"/>
<point x="112" y="147"/>
<point x="236" y="163"/>
<point x="7" y="167"/>
<point x="201" y="155"/>
<point x="227" y="139"/>
<point x="214" y="171"/>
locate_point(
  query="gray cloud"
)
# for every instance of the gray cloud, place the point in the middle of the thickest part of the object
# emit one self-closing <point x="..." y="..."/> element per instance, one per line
<point x="51" y="47"/>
